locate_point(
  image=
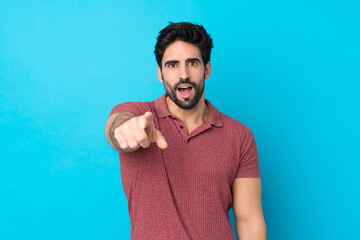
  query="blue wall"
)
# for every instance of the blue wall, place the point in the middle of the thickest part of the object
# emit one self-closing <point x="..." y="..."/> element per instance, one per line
<point x="289" y="70"/>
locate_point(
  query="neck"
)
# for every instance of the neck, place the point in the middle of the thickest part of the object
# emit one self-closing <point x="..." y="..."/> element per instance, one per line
<point x="192" y="118"/>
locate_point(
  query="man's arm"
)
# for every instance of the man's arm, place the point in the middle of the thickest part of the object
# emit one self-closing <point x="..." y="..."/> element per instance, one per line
<point x="126" y="132"/>
<point x="249" y="219"/>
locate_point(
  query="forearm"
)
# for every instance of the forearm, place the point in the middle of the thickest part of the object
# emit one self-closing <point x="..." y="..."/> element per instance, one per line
<point x="112" y="123"/>
<point x="251" y="230"/>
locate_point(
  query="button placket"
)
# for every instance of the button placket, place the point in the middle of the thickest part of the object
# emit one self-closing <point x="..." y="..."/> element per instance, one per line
<point x="180" y="126"/>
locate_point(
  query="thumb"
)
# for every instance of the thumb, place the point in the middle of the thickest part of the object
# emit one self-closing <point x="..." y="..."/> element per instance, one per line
<point x="149" y="119"/>
<point x="159" y="139"/>
<point x="148" y="115"/>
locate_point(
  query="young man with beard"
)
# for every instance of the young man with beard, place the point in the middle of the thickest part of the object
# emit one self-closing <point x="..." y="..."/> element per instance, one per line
<point x="201" y="161"/>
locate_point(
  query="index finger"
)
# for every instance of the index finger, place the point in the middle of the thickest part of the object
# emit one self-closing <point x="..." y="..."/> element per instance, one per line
<point x="159" y="139"/>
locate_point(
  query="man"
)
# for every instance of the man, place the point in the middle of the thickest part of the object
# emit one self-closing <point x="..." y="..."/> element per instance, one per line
<point x="183" y="163"/>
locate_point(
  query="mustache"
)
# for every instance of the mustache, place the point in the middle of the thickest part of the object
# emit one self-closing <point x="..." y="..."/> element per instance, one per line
<point x="185" y="81"/>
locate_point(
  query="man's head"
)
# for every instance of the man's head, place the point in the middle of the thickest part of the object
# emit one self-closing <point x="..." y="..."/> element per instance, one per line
<point x="183" y="55"/>
<point x="186" y="32"/>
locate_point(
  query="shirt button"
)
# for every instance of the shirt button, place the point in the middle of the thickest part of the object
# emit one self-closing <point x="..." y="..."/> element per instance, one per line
<point x="181" y="126"/>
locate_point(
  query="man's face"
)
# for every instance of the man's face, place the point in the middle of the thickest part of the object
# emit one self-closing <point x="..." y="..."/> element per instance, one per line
<point x="183" y="74"/>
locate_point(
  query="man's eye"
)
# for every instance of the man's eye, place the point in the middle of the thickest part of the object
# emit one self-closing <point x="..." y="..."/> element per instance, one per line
<point x="193" y="63"/>
<point x="172" y="65"/>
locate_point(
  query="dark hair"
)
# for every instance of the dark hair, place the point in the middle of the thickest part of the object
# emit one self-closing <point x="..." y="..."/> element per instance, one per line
<point x="187" y="32"/>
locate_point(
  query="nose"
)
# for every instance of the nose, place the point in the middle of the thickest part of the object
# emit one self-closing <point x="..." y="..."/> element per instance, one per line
<point x="183" y="72"/>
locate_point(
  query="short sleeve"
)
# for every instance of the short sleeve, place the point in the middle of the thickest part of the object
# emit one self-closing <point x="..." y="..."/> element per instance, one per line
<point x="136" y="108"/>
<point x="249" y="163"/>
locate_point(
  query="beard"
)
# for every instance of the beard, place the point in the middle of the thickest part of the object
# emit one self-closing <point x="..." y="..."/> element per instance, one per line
<point x="187" y="103"/>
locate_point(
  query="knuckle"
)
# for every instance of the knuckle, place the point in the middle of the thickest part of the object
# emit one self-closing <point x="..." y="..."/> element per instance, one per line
<point x="117" y="137"/>
<point x="123" y="144"/>
<point x="133" y="144"/>
<point x="117" y="131"/>
<point x="120" y="131"/>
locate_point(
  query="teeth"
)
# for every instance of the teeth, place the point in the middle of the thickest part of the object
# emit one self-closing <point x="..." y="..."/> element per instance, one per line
<point x="185" y="87"/>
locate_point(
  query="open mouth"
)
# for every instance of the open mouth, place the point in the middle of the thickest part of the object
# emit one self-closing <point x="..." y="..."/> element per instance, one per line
<point x="185" y="90"/>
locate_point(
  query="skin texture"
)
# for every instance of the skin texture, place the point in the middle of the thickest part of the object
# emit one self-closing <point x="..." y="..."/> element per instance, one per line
<point x="182" y="64"/>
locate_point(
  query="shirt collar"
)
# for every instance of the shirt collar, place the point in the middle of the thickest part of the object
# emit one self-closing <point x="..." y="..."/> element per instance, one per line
<point x="162" y="111"/>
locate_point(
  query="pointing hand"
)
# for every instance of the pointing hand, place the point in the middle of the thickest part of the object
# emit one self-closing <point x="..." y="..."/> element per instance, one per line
<point x="138" y="132"/>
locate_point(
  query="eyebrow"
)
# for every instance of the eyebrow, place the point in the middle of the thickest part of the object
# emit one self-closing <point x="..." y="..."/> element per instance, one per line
<point x="187" y="60"/>
<point x="170" y="62"/>
<point x="193" y="60"/>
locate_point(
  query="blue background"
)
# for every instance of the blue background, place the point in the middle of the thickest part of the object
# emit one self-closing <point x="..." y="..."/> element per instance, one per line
<point x="289" y="70"/>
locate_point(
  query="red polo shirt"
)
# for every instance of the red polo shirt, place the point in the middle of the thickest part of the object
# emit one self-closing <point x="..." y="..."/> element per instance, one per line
<point x="184" y="191"/>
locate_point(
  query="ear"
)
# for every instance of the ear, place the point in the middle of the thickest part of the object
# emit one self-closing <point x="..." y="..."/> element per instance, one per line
<point x="159" y="74"/>
<point x="207" y="70"/>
